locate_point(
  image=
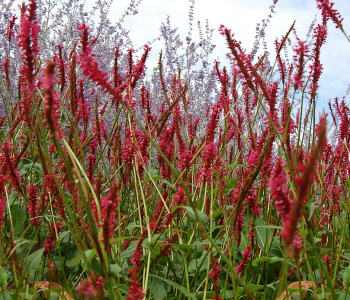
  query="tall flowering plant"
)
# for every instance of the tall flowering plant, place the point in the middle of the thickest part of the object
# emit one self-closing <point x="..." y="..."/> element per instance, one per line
<point x="200" y="182"/>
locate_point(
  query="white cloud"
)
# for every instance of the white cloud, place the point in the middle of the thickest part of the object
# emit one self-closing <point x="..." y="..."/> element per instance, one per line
<point x="241" y="17"/>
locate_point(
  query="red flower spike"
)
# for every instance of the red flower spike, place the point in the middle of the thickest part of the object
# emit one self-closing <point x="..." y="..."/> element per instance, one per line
<point x="303" y="183"/>
<point x="33" y="207"/>
<point x="9" y="31"/>
<point x="328" y="12"/>
<point x="301" y="53"/>
<point x="278" y="188"/>
<point x="3" y="200"/>
<point x="52" y="101"/>
<point x="215" y="270"/>
<point x="247" y="253"/>
<point x="135" y="289"/>
<point x="90" y="66"/>
<point x="28" y="41"/>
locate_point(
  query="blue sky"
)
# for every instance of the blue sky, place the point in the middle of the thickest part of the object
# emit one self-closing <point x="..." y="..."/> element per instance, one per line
<point x="241" y="16"/>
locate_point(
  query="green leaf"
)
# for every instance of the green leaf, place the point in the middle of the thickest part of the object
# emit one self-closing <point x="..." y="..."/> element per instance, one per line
<point x="251" y="287"/>
<point x="342" y="205"/>
<point x="154" y="178"/>
<point x="64" y="236"/>
<point x="115" y="270"/>
<point x="312" y="210"/>
<point x="96" y="266"/>
<point x="201" y="262"/>
<point x="13" y="198"/>
<point x="316" y="240"/>
<point x="207" y="242"/>
<point x="262" y="231"/>
<point x="217" y="214"/>
<point x="158" y="290"/>
<point x="178" y="287"/>
<point x="185" y="247"/>
<point x="303" y="233"/>
<point x="270" y="260"/>
<point x="343" y="296"/>
<point x="210" y="295"/>
<point x="154" y="173"/>
<point x="230" y="184"/>
<point x="202" y="216"/>
<point x="122" y="288"/>
<point x="71" y="263"/>
<point x="348" y="182"/>
<point x="90" y="253"/>
<point x="324" y="296"/>
<point x="20" y="244"/>
<point x="129" y="251"/>
<point x="19" y="219"/>
<point x="8" y="296"/>
<point x="30" y="167"/>
<point x="229" y="207"/>
<point x="25" y="164"/>
<point x="346" y="277"/>
<point x="3" y="278"/>
<point x="95" y="262"/>
<point x="33" y="261"/>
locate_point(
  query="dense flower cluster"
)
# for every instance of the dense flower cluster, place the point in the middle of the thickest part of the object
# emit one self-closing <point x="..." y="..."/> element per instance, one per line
<point x="125" y="186"/>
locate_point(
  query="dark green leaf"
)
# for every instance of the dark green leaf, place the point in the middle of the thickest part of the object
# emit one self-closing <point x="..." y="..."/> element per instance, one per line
<point x="115" y="270"/>
<point x="261" y="231"/>
<point x="211" y="294"/>
<point x="348" y="182"/>
<point x="217" y="214"/>
<point x="230" y="184"/>
<point x="28" y="161"/>
<point x="13" y="198"/>
<point x="202" y="216"/>
<point x="158" y="290"/>
<point x="201" y="262"/>
<point x="346" y="277"/>
<point x="129" y="251"/>
<point x="96" y="266"/>
<point x="185" y="247"/>
<point x="33" y="261"/>
<point x="270" y="260"/>
<point x="344" y="296"/>
<point x="154" y="173"/>
<point x="19" y="219"/>
<point x="178" y="287"/>
<point x="251" y="287"/>
<point x="8" y="296"/>
<point x="90" y="253"/>
<point x="3" y="278"/>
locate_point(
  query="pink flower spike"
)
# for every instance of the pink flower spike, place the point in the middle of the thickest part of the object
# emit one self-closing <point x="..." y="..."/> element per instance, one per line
<point x="135" y="289"/>
<point x="52" y="102"/>
<point x="28" y="42"/>
<point x="328" y="12"/>
<point x="278" y="188"/>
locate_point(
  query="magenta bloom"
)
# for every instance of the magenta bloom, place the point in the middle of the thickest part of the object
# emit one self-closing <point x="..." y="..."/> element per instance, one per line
<point x="247" y="253"/>
<point x="328" y="12"/>
<point x="52" y="102"/>
<point x="301" y="53"/>
<point x="28" y="41"/>
<point x="135" y="289"/>
<point x="33" y="207"/>
<point x="278" y="190"/>
<point x="86" y="289"/>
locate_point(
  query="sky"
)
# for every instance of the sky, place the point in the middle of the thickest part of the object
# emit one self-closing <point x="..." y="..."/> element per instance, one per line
<point x="242" y="16"/>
